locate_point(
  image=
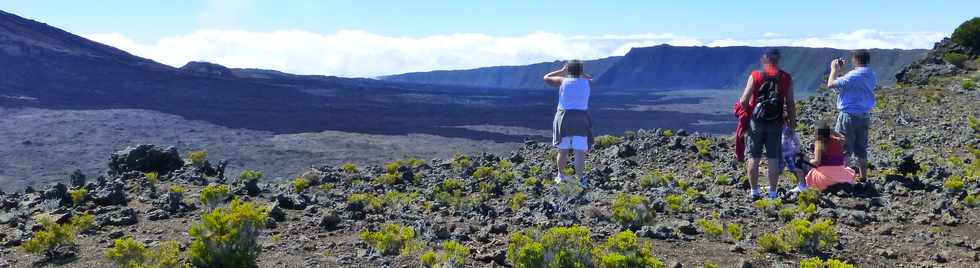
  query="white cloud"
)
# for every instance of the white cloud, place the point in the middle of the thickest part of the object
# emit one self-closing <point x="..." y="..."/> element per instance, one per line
<point x="364" y="54"/>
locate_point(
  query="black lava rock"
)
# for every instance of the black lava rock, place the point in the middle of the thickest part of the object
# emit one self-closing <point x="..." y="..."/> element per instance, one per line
<point x="145" y="158"/>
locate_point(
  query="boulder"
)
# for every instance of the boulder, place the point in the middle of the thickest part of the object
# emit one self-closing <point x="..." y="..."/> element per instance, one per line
<point x="76" y="179"/>
<point x="123" y="217"/>
<point x="109" y="194"/>
<point x="145" y="158"/>
<point x="58" y="193"/>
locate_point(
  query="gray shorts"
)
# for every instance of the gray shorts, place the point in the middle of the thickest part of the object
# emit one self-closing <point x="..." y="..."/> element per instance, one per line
<point x="765" y="134"/>
<point x="854" y="127"/>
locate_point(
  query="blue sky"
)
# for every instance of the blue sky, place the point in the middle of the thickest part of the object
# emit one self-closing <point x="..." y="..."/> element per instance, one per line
<point x="423" y="35"/>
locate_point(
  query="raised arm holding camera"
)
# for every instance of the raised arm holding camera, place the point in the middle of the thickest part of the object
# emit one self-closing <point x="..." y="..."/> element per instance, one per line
<point x="855" y="99"/>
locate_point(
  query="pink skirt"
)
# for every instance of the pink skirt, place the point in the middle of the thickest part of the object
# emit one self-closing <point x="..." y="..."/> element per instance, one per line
<point x="825" y="176"/>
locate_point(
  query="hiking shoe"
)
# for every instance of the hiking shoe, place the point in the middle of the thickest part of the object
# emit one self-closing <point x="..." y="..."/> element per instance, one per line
<point x="755" y="196"/>
<point x="797" y="189"/>
<point x="560" y="179"/>
<point x="584" y="182"/>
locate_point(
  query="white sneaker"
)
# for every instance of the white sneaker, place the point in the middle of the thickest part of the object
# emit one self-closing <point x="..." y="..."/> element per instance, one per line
<point x="797" y="189"/>
<point x="560" y="178"/>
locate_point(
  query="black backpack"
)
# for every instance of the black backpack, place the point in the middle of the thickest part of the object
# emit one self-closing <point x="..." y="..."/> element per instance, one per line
<point x="768" y="101"/>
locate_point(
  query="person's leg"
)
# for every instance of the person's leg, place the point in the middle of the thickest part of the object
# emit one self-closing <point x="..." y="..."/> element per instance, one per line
<point x="579" y="163"/>
<point x="752" y="171"/>
<point x="861" y="146"/>
<point x="844" y="128"/>
<point x="774" y="151"/>
<point x="562" y="159"/>
<point x="754" y="142"/>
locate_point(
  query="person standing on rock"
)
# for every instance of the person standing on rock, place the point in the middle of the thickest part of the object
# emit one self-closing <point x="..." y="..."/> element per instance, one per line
<point x="855" y="99"/>
<point x="572" y="126"/>
<point x="768" y="95"/>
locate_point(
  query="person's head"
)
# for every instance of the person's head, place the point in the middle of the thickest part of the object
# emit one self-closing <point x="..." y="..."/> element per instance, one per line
<point x="861" y="57"/>
<point x="575" y="68"/>
<point x="823" y="131"/>
<point x="771" y="56"/>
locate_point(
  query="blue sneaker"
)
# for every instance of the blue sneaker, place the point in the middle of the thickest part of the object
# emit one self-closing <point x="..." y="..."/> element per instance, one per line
<point x="584" y="182"/>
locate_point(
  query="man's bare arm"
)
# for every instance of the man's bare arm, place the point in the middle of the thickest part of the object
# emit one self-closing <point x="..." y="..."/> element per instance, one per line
<point x="747" y="93"/>
<point x="554" y="78"/>
<point x="834" y="71"/>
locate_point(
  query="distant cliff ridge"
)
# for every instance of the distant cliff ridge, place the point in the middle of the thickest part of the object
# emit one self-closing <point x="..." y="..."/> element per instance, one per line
<point x="671" y="67"/>
<point x="523" y="76"/>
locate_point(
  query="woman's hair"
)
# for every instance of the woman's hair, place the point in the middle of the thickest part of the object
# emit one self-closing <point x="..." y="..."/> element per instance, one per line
<point x="823" y="132"/>
<point x="575" y="68"/>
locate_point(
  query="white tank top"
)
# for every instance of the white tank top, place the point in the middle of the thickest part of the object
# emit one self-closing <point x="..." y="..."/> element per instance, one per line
<point x="573" y="94"/>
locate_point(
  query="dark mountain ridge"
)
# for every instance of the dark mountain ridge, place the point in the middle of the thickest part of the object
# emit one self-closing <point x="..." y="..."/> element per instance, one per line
<point x="673" y="67"/>
<point x="520" y="76"/>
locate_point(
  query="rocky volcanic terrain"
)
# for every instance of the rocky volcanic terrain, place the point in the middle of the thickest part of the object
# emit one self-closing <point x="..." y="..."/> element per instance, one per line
<point x="683" y="192"/>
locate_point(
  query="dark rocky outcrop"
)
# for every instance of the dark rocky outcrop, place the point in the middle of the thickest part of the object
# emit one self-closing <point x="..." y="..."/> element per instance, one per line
<point x="145" y="158"/>
<point x="932" y="64"/>
<point x="521" y="76"/>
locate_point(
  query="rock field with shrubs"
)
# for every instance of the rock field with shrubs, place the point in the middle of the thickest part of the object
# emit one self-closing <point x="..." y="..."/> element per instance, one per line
<point x="658" y="198"/>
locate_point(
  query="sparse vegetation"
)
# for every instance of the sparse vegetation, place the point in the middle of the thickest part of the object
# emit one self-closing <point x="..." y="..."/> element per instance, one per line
<point x="51" y="240"/>
<point x="734" y="231"/>
<point x="623" y="250"/>
<point x="517" y="201"/>
<point x="605" y="141"/>
<point x="815" y="262"/>
<point x="391" y="239"/>
<point x="968" y="84"/>
<point x="152" y="177"/>
<point x="429" y="259"/>
<point x="767" y="206"/>
<point x="676" y="203"/>
<point x="196" y="158"/>
<point x="390" y="200"/>
<point x="177" y="189"/>
<point x="82" y="222"/>
<point x="954" y="184"/>
<point x="450" y="193"/>
<point x="556" y="247"/>
<point x="461" y="162"/>
<point x="228" y="237"/>
<point x="127" y="252"/>
<point x="703" y="146"/>
<point x="250" y="175"/>
<point x="454" y="254"/>
<point x="773" y="243"/>
<point x="632" y="210"/>
<point x="300" y="184"/>
<point x="668" y="133"/>
<point x="214" y="195"/>
<point x="955" y="58"/>
<point x="349" y="168"/>
<point x="812" y="236"/>
<point x="78" y="195"/>
<point x="971" y="200"/>
<point x="710" y="227"/>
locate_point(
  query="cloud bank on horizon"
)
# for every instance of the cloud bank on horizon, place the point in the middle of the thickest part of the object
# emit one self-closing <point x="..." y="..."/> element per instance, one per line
<point x="362" y="54"/>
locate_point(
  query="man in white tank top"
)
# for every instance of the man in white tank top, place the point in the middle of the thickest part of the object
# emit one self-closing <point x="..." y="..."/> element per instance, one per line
<point x="572" y="127"/>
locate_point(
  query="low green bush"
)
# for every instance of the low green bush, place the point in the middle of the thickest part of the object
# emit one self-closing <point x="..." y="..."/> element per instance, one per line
<point x="968" y="84"/>
<point x="78" y="195"/>
<point x="968" y="34"/>
<point x="390" y="200"/>
<point x="676" y="203"/>
<point x="668" y="133"/>
<point x="300" y="184"/>
<point x="955" y="58"/>
<point x="454" y="254"/>
<point x="605" y="141"/>
<point x="517" y="201"/>
<point x="812" y="236"/>
<point x="710" y="227"/>
<point x="734" y="231"/>
<point x="703" y="146"/>
<point x="387" y="179"/>
<point x="250" y="175"/>
<point x="391" y="239"/>
<point x="152" y="177"/>
<point x="50" y="239"/>
<point x="632" y="210"/>
<point x="971" y="200"/>
<point x="82" y="222"/>
<point x="461" y="162"/>
<point x="215" y="195"/>
<point x="349" y="168"/>
<point x="197" y="158"/>
<point x="228" y="237"/>
<point x="127" y="252"/>
<point x="769" y="207"/>
<point x="816" y="262"/>
<point x="622" y="250"/>
<point x="773" y="243"/>
<point x="954" y="184"/>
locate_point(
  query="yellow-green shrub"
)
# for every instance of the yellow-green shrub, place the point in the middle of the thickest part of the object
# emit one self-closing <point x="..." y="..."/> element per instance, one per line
<point x="773" y="243"/>
<point x="735" y="231"/>
<point x="429" y="259"/>
<point x="349" y="168"/>
<point x="556" y="247"/>
<point x="51" y="237"/>
<point x="703" y="146"/>
<point x="228" y="237"/>
<point x="768" y="206"/>
<point x="300" y="184"/>
<point x="82" y="222"/>
<point x="214" y="195"/>
<point x="250" y="175"/>
<point x="676" y="203"/>
<point x="132" y="254"/>
<point x="517" y="201"/>
<point x="629" y="209"/>
<point x="197" y="158"/>
<point x="710" y="227"/>
<point x="606" y="141"/>
<point x="454" y="254"/>
<point x="622" y="250"/>
<point x="152" y="177"/>
<point x="78" y="196"/>
<point x="391" y="239"/>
